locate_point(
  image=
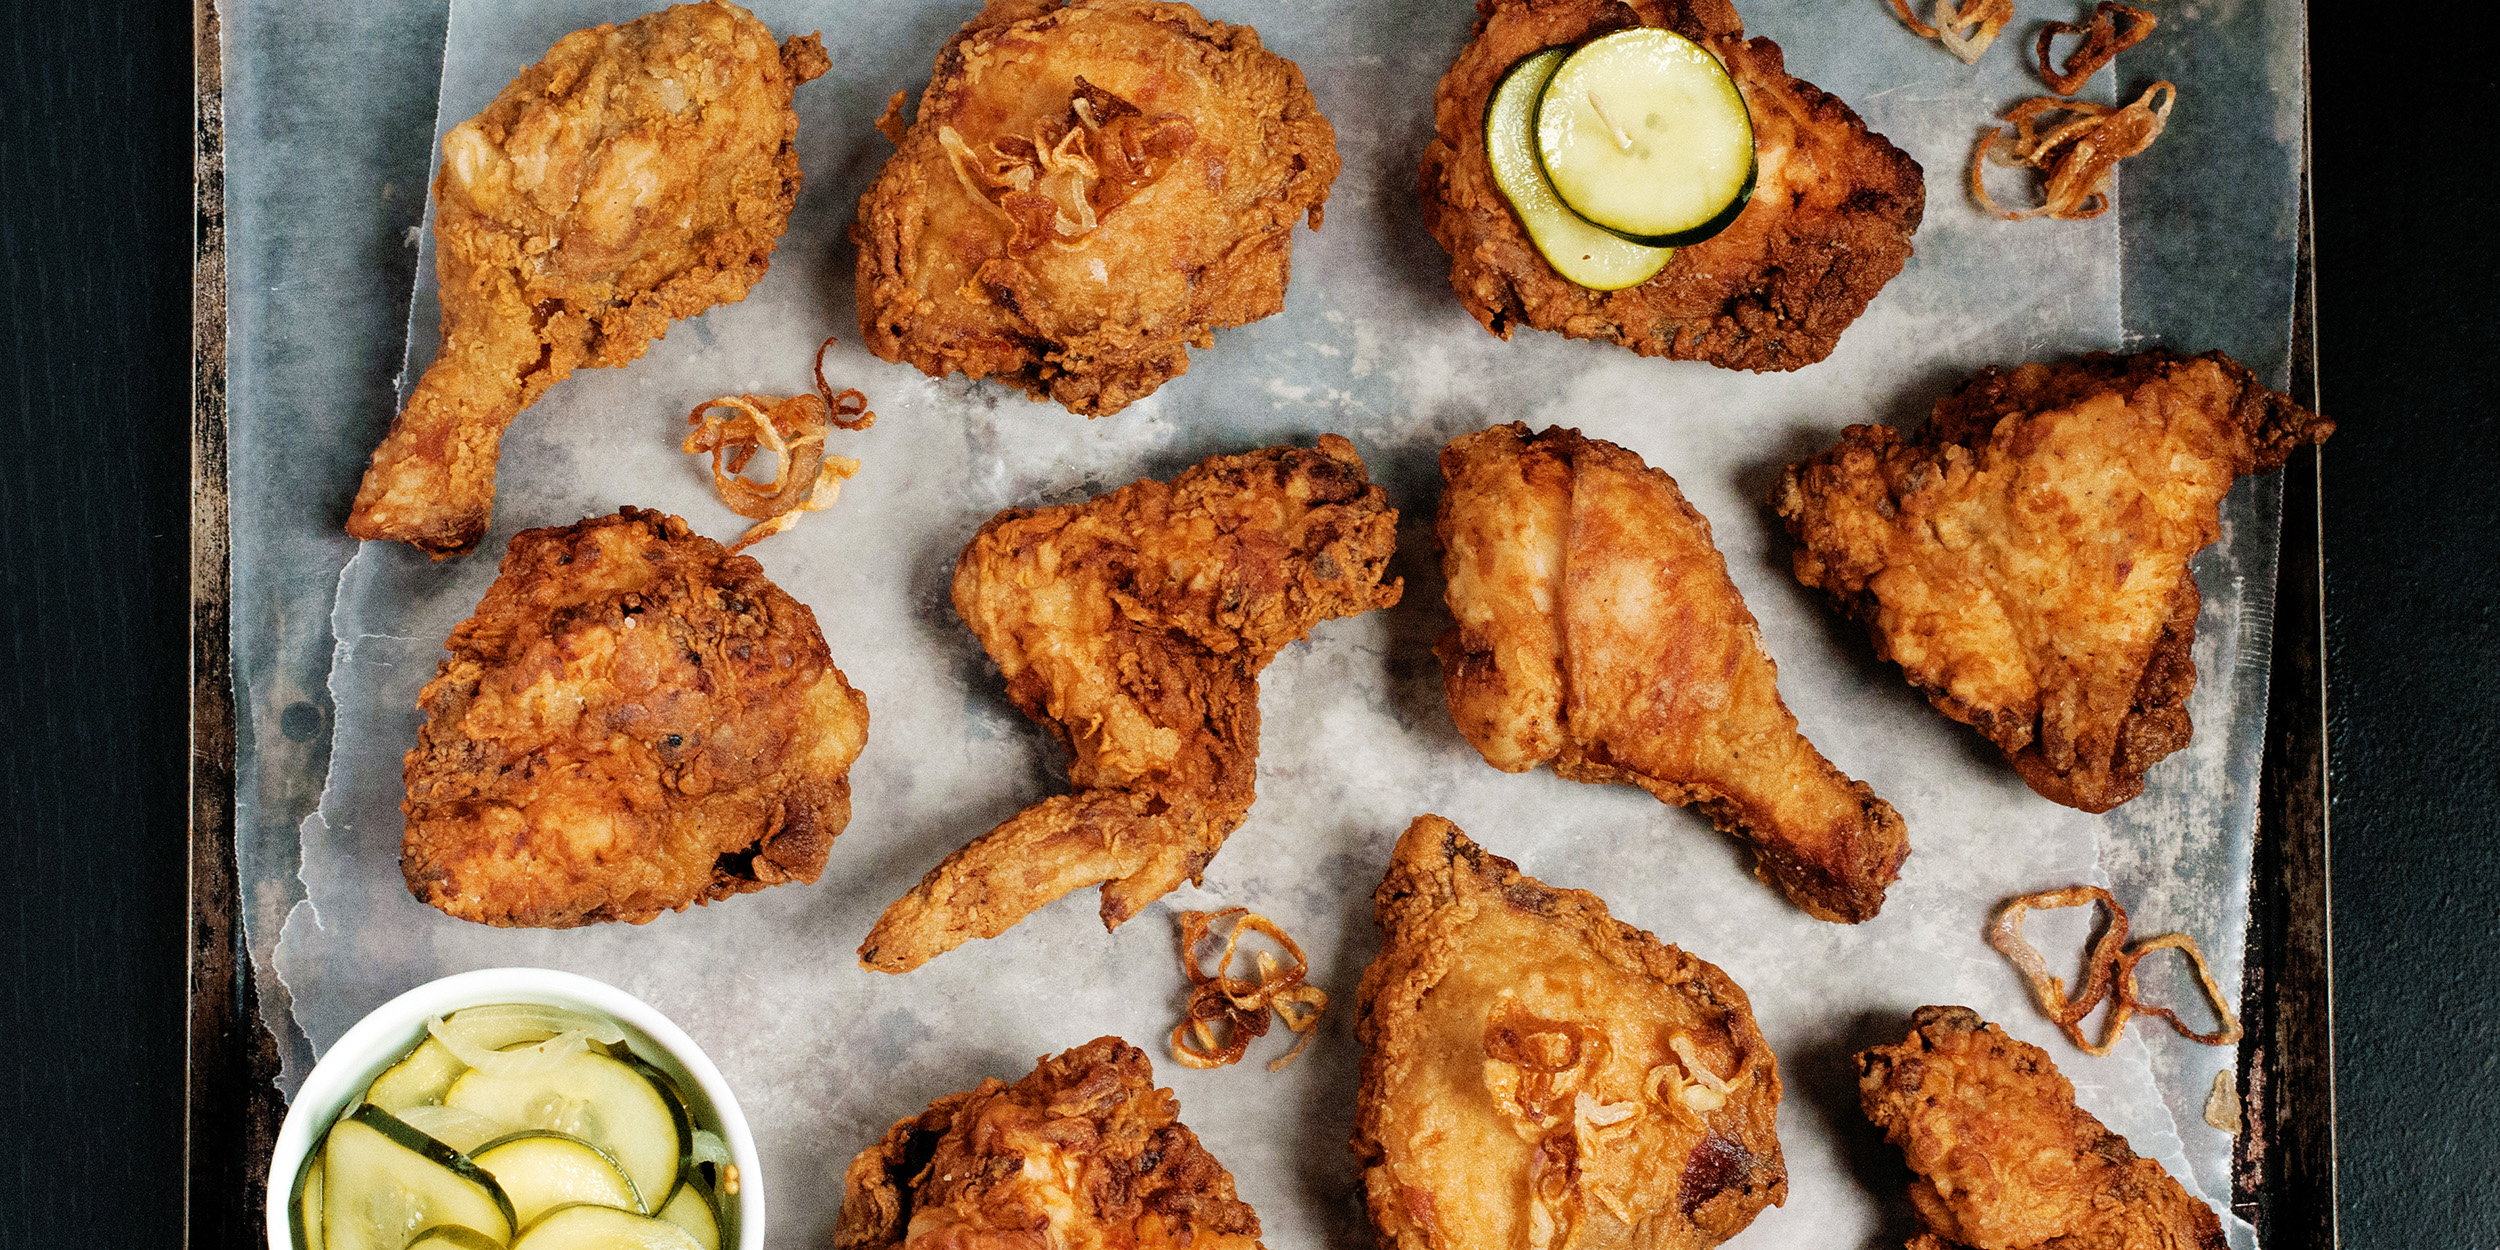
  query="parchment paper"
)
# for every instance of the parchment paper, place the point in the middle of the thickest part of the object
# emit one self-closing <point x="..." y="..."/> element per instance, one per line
<point x="1371" y="345"/>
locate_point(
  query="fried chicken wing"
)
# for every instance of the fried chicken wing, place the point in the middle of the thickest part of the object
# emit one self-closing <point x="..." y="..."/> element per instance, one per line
<point x="1538" y="1075"/>
<point x="633" y="722"/>
<point x="1833" y="208"/>
<point x="1084" y="1153"/>
<point x="1088" y="190"/>
<point x="1597" y="631"/>
<point x="640" y="173"/>
<point x="2024" y="559"/>
<point x="1134" y="627"/>
<point x="2005" y="1159"/>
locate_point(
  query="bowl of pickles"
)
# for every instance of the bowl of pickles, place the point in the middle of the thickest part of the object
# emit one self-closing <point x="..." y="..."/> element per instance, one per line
<point x="515" y="1109"/>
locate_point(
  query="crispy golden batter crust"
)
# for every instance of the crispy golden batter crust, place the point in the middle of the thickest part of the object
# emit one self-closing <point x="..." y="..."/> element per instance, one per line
<point x="632" y="723"/>
<point x="2005" y="1159"/>
<point x="1833" y="208"/>
<point x="1538" y="1075"/>
<point x="638" y="174"/>
<point x="1597" y="630"/>
<point x="1134" y="627"/>
<point x="1082" y="1154"/>
<point x="2025" y="558"/>
<point x="1084" y="274"/>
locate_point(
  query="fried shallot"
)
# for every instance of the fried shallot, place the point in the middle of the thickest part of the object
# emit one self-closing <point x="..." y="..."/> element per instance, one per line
<point x="1237" y="1007"/>
<point x="2109" y="972"/>
<point x="793" y="430"/>
<point x="2103" y="39"/>
<point x="1965" y="28"/>
<point x="2077" y="157"/>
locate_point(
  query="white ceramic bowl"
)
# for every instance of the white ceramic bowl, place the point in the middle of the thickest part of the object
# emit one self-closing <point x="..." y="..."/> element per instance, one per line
<point x="397" y="1026"/>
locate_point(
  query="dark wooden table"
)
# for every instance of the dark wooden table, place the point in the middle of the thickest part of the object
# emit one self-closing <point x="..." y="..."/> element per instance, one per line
<point x="97" y="225"/>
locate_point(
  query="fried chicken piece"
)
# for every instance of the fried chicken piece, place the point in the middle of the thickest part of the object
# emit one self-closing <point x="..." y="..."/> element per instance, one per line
<point x="1134" y="627"/>
<point x="1087" y="190"/>
<point x="2005" y="1159"/>
<point x="1829" y="224"/>
<point x="640" y="173"/>
<point x="634" y="722"/>
<point x="1538" y="1075"/>
<point x="1598" y="631"/>
<point x="2025" y="558"/>
<point x="1084" y="1153"/>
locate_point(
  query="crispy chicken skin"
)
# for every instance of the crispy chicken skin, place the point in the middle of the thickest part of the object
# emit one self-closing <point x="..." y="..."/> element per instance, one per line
<point x="1829" y="224"/>
<point x="632" y="723"/>
<point x="1134" y="627"/>
<point x="2024" y="559"/>
<point x="2005" y="1159"/>
<point x="1538" y="1075"/>
<point x="1088" y="190"/>
<point x="1597" y="631"/>
<point x="638" y="174"/>
<point x="1082" y="1154"/>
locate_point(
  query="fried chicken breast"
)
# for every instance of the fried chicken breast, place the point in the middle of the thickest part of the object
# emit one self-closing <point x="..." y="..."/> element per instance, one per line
<point x="1597" y="631"/>
<point x="2005" y="1159"/>
<point x="1829" y="224"/>
<point x="633" y="722"/>
<point x="1084" y="1153"/>
<point x="1088" y="190"/>
<point x="638" y="174"/>
<point x="2024" y="559"/>
<point x="1134" y="627"/>
<point x="1538" y="1075"/>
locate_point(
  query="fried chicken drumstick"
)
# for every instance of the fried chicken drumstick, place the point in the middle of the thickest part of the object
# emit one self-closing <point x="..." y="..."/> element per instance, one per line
<point x="1833" y="208"/>
<point x="638" y="174"/>
<point x="2005" y="1159"/>
<point x="1134" y="626"/>
<point x="1538" y="1075"/>
<point x="633" y="722"/>
<point x="1088" y="190"/>
<point x="1598" y="631"/>
<point x="1084" y="1152"/>
<point x="2024" y="559"/>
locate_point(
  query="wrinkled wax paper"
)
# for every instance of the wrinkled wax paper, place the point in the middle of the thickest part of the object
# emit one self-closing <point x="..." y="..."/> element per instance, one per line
<point x="1358" y="741"/>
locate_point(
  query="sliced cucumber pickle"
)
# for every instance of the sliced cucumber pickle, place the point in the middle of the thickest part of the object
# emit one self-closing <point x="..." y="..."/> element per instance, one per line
<point x="541" y="1170"/>
<point x="692" y="1210"/>
<point x="587" y="1227"/>
<point x="307" y="1205"/>
<point x="1580" y="252"/>
<point x="616" y="1105"/>
<point x="384" y="1182"/>
<point x="418" y="1080"/>
<point x="453" y="1237"/>
<point x="1643" y="134"/>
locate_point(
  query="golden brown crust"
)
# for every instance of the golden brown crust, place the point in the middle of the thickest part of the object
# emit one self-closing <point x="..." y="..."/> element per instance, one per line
<point x="1083" y="1153"/>
<point x="637" y="174"/>
<point x="1134" y="627"/>
<point x="2005" y="1160"/>
<point x="633" y="722"/>
<point x="1597" y="630"/>
<point x="1481" y="970"/>
<point x="1829" y="223"/>
<point x="2025" y="557"/>
<point x="1096" y="314"/>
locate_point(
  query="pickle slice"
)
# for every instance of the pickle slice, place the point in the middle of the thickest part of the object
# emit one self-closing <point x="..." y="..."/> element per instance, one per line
<point x="1580" y="252"/>
<point x="384" y="1182"/>
<point x="1643" y="134"/>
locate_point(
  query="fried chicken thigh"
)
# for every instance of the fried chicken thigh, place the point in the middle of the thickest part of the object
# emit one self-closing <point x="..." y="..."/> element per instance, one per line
<point x="1134" y="627"/>
<point x="640" y="173"/>
<point x="1833" y="208"/>
<point x="633" y="722"/>
<point x="1082" y="1154"/>
<point x="1598" y="631"/>
<point x="2025" y="558"/>
<point x="1088" y="190"/>
<point x="1538" y="1075"/>
<point x="2005" y="1159"/>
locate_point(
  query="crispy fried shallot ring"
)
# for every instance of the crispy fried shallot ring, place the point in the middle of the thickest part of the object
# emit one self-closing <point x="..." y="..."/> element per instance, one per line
<point x="2077" y="157"/>
<point x="2103" y="40"/>
<point x="1237" y="1007"/>
<point x="848" y="407"/>
<point x="1964" y="27"/>
<point x="2109" y="972"/>
<point x="793" y="430"/>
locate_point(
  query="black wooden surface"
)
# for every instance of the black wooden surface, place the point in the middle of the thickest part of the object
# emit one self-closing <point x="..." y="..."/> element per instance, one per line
<point x="95" y="337"/>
